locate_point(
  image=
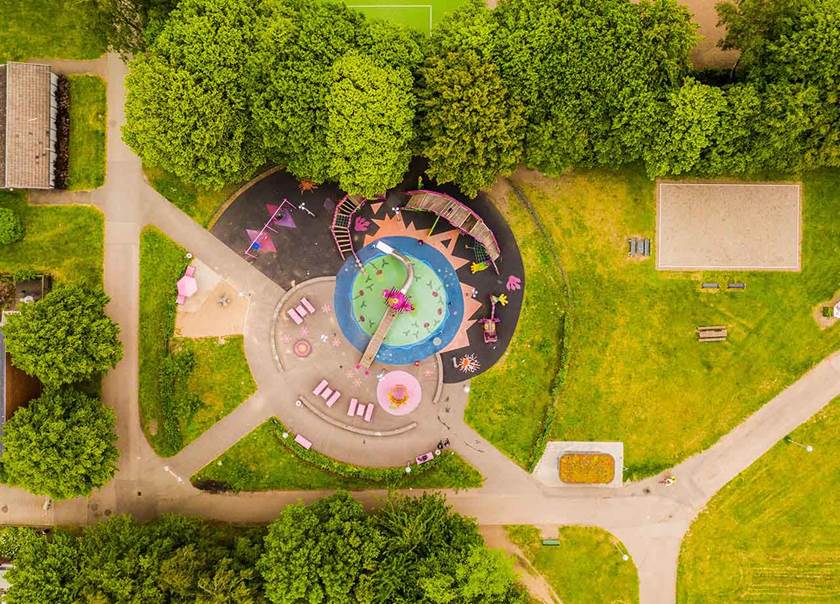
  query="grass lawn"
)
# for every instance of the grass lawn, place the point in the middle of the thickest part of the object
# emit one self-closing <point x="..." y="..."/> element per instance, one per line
<point x="773" y="533"/>
<point x="87" y="132"/>
<point x="200" y="204"/>
<point x="177" y="406"/>
<point x="221" y="379"/>
<point x="262" y="461"/>
<point x="416" y="15"/>
<point x="635" y="370"/>
<point x="586" y="568"/>
<point x="63" y="241"/>
<point x="508" y="403"/>
<point x="48" y="29"/>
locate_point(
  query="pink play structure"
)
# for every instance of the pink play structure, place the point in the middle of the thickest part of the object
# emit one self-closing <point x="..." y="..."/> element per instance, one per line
<point x="397" y="300"/>
<point x="399" y="392"/>
<point x="261" y="239"/>
<point x="187" y="285"/>
<point x="489" y="324"/>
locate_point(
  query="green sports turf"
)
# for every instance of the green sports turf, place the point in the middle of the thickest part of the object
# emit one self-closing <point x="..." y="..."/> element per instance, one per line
<point x="415" y="14"/>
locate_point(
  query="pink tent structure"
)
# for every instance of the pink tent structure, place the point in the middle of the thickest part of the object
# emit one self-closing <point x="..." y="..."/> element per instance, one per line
<point x="187" y="285"/>
<point x="399" y="393"/>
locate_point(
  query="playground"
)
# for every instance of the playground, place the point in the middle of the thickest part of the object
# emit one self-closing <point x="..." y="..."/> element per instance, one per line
<point x="387" y="301"/>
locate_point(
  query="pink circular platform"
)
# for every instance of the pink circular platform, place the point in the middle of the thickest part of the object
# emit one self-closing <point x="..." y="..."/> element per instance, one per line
<point x="399" y="393"/>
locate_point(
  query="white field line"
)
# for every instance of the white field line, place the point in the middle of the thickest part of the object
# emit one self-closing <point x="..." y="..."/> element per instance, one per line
<point x="429" y="6"/>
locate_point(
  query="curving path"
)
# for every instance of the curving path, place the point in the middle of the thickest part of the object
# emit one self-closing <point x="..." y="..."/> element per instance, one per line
<point x="649" y="518"/>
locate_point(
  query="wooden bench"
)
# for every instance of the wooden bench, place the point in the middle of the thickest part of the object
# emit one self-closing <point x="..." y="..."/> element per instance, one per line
<point x="710" y="285"/>
<point x="736" y="285"/>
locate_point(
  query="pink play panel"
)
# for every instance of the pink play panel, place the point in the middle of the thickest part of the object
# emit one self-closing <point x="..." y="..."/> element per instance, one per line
<point x="399" y="393"/>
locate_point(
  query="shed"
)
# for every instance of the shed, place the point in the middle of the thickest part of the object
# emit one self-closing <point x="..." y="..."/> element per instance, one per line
<point x="28" y="126"/>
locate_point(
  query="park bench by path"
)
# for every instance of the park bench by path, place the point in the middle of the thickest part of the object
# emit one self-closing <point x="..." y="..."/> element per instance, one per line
<point x="736" y="285"/>
<point x="710" y="285"/>
<point x="638" y="247"/>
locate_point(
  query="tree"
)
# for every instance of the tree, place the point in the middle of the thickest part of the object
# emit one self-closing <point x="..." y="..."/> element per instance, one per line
<point x="186" y="104"/>
<point x="320" y="553"/>
<point x="11" y="228"/>
<point x="752" y="24"/>
<point x="65" y="337"/>
<point x="590" y="75"/>
<point x="371" y="113"/>
<point x="297" y="43"/>
<point x="128" y="25"/>
<point x="44" y="570"/>
<point x="693" y="117"/>
<point x="484" y="576"/>
<point x="61" y="445"/>
<point x="472" y="129"/>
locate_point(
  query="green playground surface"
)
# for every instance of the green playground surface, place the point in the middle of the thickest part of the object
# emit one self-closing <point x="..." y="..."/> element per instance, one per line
<point x="426" y="293"/>
<point x="418" y="15"/>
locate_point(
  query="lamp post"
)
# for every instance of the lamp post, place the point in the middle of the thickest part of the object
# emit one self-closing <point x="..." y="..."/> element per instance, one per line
<point x="808" y="448"/>
<point x="624" y="556"/>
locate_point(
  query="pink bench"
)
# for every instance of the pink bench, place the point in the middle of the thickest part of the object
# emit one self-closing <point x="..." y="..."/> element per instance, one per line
<point x="190" y="271"/>
<point x="351" y="410"/>
<point x="360" y="410"/>
<point x="303" y="441"/>
<point x="307" y="305"/>
<point x="327" y="393"/>
<point x="369" y="412"/>
<point x="320" y="387"/>
<point x="424" y="458"/>
<point x="294" y="316"/>
<point x="331" y="401"/>
<point x="299" y="309"/>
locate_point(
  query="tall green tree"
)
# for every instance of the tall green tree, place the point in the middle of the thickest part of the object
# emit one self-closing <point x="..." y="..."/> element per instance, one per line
<point x="129" y="25"/>
<point x="62" y="444"/>
<point x="590" y="75"/>
<point x="44" y="571"/>
<point x="693" y="117"/>
<point x="297" y="43"/>
<point x="471" y="129"/>
<point x="65" y="337"/>
<point x="320" y="553"/>
<point x="370" y="125"/>
<point x="187" y="97"/>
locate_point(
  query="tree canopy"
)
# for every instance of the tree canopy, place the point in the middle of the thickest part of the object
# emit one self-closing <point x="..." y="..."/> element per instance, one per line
<point x="65" y="337"/>
<point x="472" y="130"/>
<point x="414" y="551"/>
<point x="173" y="559"/>
<point x="186" y="103"/>
<point x="370" y="125"/>
<point x="61" y="444"/>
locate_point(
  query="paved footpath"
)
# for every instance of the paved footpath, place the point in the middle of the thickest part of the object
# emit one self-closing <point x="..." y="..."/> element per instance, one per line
<point x="648" y="517"/>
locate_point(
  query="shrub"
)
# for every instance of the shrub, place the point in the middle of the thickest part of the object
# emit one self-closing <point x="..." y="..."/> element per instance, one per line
<point x="587" y="468"/>
<point x="827" y="312"/>
<point x="11" y="228"/>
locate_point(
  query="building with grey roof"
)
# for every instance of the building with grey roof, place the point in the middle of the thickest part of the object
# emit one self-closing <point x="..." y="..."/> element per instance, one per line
<point x="28" y="127"/>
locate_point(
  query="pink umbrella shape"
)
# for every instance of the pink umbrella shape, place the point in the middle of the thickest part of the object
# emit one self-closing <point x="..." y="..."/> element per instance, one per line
<point x="187" y="286"/>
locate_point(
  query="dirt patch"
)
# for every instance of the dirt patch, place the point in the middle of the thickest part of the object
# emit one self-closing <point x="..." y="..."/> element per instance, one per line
<point x="728" y="226"/>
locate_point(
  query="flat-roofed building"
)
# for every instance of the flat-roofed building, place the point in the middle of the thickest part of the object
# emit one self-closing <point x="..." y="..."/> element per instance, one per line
<point x="28" y="128"/>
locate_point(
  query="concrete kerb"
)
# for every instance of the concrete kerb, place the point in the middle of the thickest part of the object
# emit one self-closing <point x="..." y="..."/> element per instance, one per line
<point x="354" y="429"/>
<point x="439" y="385"/>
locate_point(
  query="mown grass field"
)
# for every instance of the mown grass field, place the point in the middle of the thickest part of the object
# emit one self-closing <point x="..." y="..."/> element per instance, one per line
<point x="220" y="378"/>
<point x="772" y="534"/>
<point x="52" y="29"/>
<point x="635" y="370"/>
<point x="508" y="403"/>
<point x="200" y="204"/>
<point x="585" y="568"/>
<point x="88" y="111"/>
<point x="260" y="462"/>
<point x="420" y="16"/>
<point x="63" y="241"/>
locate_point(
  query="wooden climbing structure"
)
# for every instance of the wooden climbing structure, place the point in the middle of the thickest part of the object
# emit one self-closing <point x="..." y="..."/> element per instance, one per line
<point x="342" y="222"/>
<point x="458" y="215"/>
